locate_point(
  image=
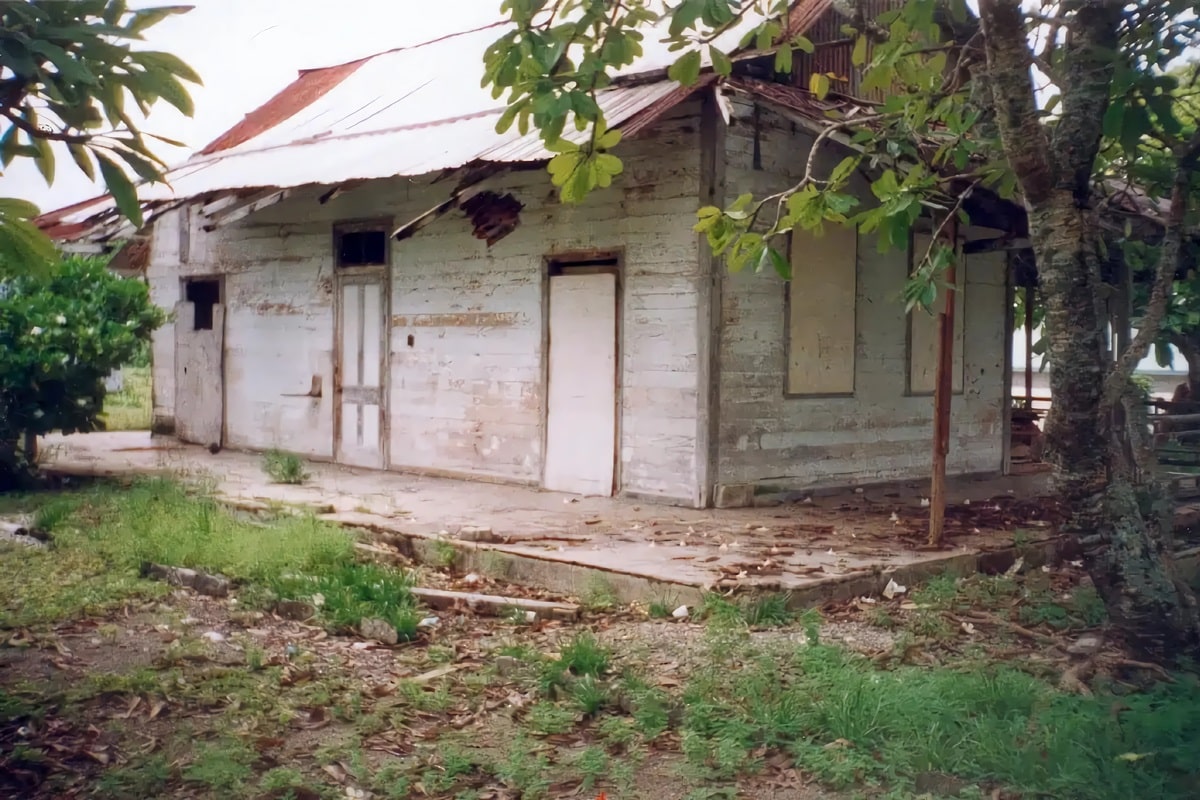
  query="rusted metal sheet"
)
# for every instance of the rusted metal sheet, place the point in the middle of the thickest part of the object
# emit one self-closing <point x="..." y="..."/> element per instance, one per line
<point x="304" y="91"/>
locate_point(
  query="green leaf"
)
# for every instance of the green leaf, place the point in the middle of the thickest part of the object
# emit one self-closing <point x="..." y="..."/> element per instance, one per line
<point x="509" y="116"/>
<point x="9" y="143"/>
<point x="122" y="190"/>
<point x="818" y="84"/>
<point x="708" y="216"/>
<point x="152" y="16"/>
<point x="144" y="168"/>
<point x="843" y="170"/>
<point x="151" y="59"/>
<point x="607" y="166"/>
<point x="804" y="44"/>
<point x="686" y="69"/>
<point x="83" y="159"/>
<point x="44" y="159"/>
<point x="163" y="84"/>
<point x="1114" y="118"/>
<point x="721" y="63"/>
<point x="22" y="245"/>
<point x="782" y="267"/>
<point x="13" y="208"/>
<point x="609" y="139"/>
<point x="783" y="60"/>
<point x="859" y="55"/>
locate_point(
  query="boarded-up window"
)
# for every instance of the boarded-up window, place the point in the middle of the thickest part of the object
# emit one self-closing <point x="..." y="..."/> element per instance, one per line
<point x="821" y="311"/>
<point x="923" y="331"/>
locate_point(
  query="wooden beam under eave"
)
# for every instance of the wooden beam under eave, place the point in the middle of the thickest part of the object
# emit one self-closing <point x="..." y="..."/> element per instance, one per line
<point x="252" y="205"/>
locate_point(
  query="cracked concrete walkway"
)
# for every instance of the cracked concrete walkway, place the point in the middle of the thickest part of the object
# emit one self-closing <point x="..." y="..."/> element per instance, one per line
<point x="852" y="540"/>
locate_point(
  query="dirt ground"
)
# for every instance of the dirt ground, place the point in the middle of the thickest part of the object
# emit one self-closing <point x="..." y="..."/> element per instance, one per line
<point x="196" y="697"/>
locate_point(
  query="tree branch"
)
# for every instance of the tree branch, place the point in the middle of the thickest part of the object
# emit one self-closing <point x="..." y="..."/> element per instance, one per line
<point x="1008" y="62"/>
<point x="1169" y="258"/>
<point x="1089" y="61"/>
<point x="42" y="133"/>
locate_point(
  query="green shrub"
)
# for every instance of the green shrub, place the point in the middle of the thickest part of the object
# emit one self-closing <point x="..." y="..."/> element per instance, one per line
<point x="62" y="332"/>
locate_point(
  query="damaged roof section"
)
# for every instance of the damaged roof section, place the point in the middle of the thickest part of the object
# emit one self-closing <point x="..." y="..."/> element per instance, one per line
<point x="406" y="112"/>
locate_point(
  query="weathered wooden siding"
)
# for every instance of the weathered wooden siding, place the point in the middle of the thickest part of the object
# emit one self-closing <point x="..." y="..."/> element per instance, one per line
<point x="467" y="325"/>
<point x="769" y="440"/>
<point x="162" y="277"/>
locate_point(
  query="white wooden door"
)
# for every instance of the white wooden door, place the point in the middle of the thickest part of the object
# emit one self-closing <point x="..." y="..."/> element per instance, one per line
<point x="199" y="377"/>
<point x="361" y="364"/>
<point x="581" y="408"/>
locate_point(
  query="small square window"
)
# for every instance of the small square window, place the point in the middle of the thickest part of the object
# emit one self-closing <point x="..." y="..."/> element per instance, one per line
<point x="361" y="248"/>
<point x="203" y="294"/>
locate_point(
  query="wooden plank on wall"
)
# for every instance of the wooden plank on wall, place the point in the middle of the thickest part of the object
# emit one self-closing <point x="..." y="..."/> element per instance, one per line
<point x="821" y="311"/>
<point x="923" y="333"/>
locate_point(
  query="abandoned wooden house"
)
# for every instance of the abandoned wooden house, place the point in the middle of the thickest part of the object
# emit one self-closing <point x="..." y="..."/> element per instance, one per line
<point x="363" y="271"/>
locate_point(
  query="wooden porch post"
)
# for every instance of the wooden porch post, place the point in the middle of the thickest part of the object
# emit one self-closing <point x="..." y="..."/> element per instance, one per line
<point x="942" y="397"/>
<point x="1029" y="347"/>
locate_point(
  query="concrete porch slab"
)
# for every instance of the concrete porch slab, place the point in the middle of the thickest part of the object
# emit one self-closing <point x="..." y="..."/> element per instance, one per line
<point x="831" y="545"/>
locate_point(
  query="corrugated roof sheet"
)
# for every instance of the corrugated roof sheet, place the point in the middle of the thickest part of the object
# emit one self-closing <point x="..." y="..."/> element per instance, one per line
<point x="406" y="112"/>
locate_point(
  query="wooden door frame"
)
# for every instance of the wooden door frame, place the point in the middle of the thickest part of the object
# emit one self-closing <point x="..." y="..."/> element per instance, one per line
<point x="184" y="280"/>
<point x="381" y="273"/>
<point x="585" y="262"/>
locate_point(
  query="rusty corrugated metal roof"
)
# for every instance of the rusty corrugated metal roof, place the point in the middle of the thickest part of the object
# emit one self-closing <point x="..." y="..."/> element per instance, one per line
<point x="406" y="112"/>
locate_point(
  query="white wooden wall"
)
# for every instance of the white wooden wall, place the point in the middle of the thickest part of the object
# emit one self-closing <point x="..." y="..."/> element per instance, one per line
<point x="880" y="432"/>
<point x="467" y="396"/>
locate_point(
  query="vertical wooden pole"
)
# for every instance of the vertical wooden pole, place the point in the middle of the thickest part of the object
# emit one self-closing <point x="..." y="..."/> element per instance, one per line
<point x="942" y="397"/>
<point x="1029" y="347"/>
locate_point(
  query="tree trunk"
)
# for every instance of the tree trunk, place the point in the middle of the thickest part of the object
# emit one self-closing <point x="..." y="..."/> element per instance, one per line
<point x="1095" y="432"/>
<point x="1120" y="513"/>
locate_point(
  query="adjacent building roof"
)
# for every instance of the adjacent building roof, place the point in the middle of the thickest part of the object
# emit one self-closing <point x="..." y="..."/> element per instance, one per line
<point x="406" y="112"/>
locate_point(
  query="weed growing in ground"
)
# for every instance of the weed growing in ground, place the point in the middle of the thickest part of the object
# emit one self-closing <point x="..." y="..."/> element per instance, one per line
<point x="590" y="695"/>
<point x="223" y="766"/>
<point x="348" y="593"/>
<point x="524" y="770"/>
<point x="584" y="655"/>
<point x="756" y="611"/>
<point x="45" y="586"/>
<point x="592" y="764"/>
<point x="659" y="609"/>
<point x="141" y="777"/>
<point x="767" y="611"/>
<point x="546" y="718"/>
<point x="283" y="467"/>
<point x="600" y="595"/>
<point x="443" y="554"/>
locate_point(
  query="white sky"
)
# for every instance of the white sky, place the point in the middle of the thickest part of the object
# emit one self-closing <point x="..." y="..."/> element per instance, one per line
<point x="246" y="51"/>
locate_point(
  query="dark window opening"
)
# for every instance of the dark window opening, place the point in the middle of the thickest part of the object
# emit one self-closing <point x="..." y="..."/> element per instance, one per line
<point x="600" y="263"/>
<point x="361" y="248"/>
<point x="203" y="295"/>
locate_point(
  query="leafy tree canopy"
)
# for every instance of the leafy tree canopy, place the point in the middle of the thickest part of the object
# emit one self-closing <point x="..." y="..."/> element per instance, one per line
<point x="69" y="73"/>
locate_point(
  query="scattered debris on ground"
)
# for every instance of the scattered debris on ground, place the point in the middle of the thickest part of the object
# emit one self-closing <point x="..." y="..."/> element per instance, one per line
<point x="318" y="675"/>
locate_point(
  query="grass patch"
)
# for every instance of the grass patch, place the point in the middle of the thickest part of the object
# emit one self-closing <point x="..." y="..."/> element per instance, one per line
<point x="1029" y="598"/>
<point x="283" y="467"/>
<point x="102" y="536"/>
<point x="347" y="593"/>
<point x="159" y="520"/>
<point x="756" y="611"/>
<point x="45" y="586"/>
<point x="131" y="408"/>
<point x="847" y="723"/>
